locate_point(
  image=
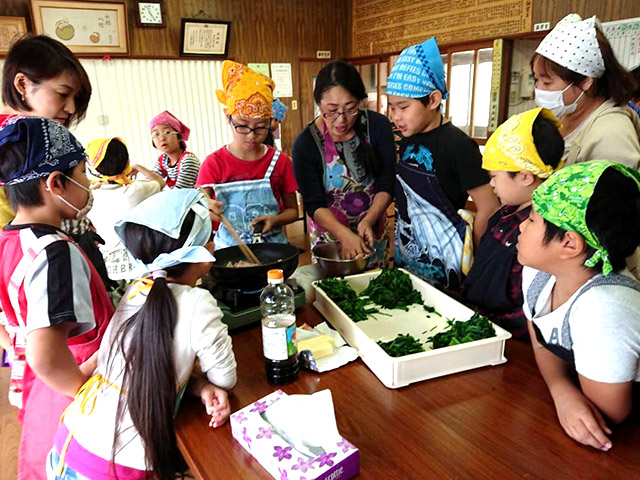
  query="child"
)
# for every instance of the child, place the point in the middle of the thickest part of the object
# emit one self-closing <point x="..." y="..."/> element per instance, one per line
<point x="251" y="182"/>
<point x="115" y="193"/>
<point x="581" y="301"/>
<point x="279" y="111"/>
<point x="159" y="329"/>
<point x="439" y="168"/>
<point x="176" y="165"/>
<point x="55" y="304"/>
<point x="520" y="154"/>
<point x="42" y="77"/>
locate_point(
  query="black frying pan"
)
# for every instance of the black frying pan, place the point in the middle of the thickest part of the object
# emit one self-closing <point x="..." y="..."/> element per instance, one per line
<point x="271" y="255"/>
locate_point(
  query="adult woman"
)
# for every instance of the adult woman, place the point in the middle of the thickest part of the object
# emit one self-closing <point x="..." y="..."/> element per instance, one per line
<point x="344" y="162"/>
<point x="579" y="79"/>
<point x="41" y="77"/>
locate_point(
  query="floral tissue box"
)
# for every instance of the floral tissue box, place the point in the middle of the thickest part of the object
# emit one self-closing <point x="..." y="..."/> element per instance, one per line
<point x="279" y="458"/>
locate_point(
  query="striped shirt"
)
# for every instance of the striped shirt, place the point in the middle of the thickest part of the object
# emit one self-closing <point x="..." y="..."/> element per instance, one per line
<point x="183" y="174"/>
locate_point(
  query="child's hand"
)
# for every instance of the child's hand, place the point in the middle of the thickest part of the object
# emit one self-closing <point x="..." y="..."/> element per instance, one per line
<point x="215" y="210"/>
<point x="582" y="420"/>
<point x="269" y="222"/>
<point x="365" y="230"/>
<point x="216" y="402"/>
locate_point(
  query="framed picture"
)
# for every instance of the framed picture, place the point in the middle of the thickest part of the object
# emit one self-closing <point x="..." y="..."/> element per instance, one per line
<point x="209" y="38"/>
<point x="85" y="27"/>
<point x="11" y="29"/>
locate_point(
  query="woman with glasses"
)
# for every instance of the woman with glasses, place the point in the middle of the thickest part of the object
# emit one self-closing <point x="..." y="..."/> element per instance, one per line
<point x="178" y="167"/>
<point x="251" y="183"/>
<point x="344" y="163"/>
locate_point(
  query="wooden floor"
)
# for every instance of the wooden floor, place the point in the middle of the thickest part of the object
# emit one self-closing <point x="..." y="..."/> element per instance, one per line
<point x="9" y="425"/>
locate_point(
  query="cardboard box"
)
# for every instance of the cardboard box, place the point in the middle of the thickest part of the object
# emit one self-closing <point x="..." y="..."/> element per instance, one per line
<point x="279" y="458"/>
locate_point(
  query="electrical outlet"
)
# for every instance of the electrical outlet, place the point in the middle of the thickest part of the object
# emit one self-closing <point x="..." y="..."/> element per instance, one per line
<point x="323" y="54"/>
<point x="541" y="27"/>
<point x="103" y="120"/>
<point x="294" y="104"/>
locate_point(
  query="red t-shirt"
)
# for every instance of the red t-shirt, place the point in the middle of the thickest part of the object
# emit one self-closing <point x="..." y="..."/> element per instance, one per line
<point x="222" y="167"/>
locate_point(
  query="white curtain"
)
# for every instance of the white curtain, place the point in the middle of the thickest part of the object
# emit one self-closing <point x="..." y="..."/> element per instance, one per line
<point x="128" y="93"/>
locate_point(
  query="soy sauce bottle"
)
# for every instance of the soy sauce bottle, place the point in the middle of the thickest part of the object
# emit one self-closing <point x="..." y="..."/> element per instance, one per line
<point x="279" y="343"/>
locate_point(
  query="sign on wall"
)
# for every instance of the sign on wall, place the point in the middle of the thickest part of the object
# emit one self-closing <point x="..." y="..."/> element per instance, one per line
<point x="386" y="26"/>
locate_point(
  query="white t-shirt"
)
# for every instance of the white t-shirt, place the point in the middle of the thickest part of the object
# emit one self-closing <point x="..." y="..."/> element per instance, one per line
<point x="199" y="333"/>
<point x="110" y="203"/>
<point x="604" y="327"/>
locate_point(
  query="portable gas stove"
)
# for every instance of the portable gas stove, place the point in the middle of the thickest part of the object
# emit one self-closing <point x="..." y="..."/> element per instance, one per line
<point x="241" y="307"/>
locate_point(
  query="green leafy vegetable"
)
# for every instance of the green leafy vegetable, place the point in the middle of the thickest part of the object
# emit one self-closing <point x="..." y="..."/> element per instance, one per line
<point x="403" y="344"/>
<point x="392" y="289"/>
<point x="476" y="328"/>
<point x="430" y="309"/>
<point x="347" y="299"/>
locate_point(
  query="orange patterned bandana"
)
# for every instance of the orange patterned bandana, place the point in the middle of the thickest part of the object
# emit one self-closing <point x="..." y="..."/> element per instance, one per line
<point x="246" y="93"/>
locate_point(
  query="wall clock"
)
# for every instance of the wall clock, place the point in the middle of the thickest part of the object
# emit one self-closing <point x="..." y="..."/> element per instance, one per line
<point x="150" y="13"/>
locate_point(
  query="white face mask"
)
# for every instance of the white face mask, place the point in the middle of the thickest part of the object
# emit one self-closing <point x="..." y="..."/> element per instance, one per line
<point x="80" y="212"/>
<point x="554" y="101"/>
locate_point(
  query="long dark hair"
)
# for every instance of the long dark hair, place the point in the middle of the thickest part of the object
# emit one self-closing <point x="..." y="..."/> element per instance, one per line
<point x="339" y="73"/>
<point x="42" y="58"/>
<point x="145" y="342"/>
<point x="616" y="83"/>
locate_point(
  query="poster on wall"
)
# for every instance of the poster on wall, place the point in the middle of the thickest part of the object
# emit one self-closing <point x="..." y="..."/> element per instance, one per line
<point x="387" y="26"/>
<point x="84" y="27"/>
<point x="281" y="75"/>
<point x="11" y="29"/>
<point x="262" y="68"/>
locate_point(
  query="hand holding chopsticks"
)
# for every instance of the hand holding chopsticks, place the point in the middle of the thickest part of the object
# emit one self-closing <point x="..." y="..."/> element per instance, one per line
<point x="246" y="251"/>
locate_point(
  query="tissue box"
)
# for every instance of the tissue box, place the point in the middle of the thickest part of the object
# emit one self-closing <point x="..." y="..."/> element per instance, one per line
<point x="279" y="458"/>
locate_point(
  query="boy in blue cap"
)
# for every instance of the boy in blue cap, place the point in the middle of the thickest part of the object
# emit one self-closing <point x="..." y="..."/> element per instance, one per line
<point x="439" y="168"/>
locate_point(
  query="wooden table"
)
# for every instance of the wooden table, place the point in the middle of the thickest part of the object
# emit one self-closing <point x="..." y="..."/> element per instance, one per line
<point x="493" y="422"/>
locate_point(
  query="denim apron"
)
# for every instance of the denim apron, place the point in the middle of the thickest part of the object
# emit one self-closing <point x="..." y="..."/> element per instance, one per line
<point x="243" y="202"/>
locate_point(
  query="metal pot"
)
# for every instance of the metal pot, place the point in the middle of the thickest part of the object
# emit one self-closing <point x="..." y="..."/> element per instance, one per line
<point x="328" y="257"/>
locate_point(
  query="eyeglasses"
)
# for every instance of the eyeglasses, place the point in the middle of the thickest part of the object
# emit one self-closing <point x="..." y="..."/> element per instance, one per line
<point x="246" y="130"/>
<point x="166" y="133"/>
<point x="348" y="112"/>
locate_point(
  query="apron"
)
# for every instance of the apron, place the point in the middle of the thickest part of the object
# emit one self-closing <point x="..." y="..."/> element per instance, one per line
<point x="431" y="238"/>
<point x="564" y="349"/>
<point x="348" y="200"/>
<point x="171" y="183"/>
<point x="40" y="405"/>
<point x="243" y="202"/>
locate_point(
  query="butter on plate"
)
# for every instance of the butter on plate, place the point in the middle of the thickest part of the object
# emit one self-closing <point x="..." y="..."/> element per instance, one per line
<point x="320" y="346"/>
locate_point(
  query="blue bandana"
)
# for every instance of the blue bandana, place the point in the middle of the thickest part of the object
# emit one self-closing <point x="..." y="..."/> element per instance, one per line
<point x="165" y="212"/>
<point x="418" y="72"/>
<point x="279" y="110"/>
<point x="50" y="148"/>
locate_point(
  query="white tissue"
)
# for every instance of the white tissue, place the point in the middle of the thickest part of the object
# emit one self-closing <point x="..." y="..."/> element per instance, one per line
<point x="306" y="422"/>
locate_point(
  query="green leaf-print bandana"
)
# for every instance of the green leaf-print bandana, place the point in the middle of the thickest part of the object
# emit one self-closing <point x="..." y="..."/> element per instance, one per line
<point x="564" y="197"/>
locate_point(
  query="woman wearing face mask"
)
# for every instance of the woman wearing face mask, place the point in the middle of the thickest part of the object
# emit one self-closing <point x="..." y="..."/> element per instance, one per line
<point x="344" y="163"/>
<point x="579" y="79"/>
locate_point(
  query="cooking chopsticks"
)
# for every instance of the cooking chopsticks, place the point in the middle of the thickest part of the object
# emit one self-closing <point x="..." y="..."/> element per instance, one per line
<point x="246" y="251"/>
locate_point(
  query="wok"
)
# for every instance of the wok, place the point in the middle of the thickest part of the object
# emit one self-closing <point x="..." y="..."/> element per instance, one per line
<point x="271" y="255"/>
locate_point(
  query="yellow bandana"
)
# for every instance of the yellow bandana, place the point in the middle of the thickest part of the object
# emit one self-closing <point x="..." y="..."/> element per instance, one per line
<point x="96" y="151"/>
<point x="511" y="147"/>
<point x="246" y="93"/>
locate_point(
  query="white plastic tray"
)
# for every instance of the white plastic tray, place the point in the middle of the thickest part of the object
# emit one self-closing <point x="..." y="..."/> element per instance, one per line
<point x="395" y="372"/>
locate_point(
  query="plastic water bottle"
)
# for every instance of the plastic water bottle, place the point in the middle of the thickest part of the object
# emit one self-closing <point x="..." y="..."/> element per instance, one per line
<point x="279" y="343"/>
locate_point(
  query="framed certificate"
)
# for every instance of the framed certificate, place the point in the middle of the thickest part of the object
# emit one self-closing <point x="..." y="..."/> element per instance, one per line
<point x="208" y="38"/>
<point x="84" y="27"/>
<point x="11" y="29"/>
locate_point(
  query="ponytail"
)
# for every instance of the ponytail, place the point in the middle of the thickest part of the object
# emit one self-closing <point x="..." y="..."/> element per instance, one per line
<point x="145" y="343"/>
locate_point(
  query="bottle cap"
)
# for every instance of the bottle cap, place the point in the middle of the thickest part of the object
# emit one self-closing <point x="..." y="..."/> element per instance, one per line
<point x="275" y="276"/>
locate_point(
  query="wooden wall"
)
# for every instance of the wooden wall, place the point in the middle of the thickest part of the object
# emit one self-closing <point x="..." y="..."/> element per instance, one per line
<point x="606" y="10"/>
<point x="262" y="31"/>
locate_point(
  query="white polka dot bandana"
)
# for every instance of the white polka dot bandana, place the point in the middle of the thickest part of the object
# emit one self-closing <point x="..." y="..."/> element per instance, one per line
<point x="572" y="44"/>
